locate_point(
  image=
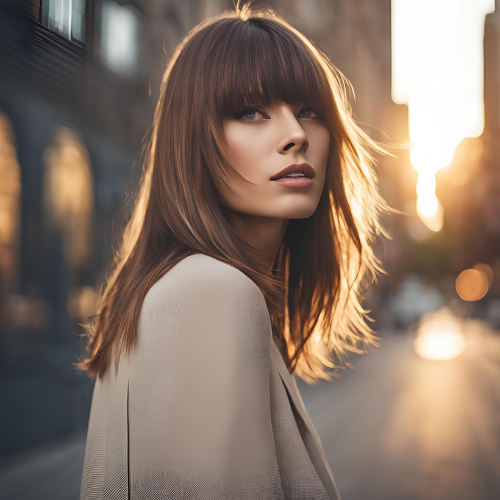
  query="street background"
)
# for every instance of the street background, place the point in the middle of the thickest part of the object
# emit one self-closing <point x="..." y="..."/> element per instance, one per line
<point x="416" y="418"/>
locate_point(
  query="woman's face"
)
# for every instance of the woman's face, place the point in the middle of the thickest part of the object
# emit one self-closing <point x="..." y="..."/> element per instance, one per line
<point x="262" y="142"/>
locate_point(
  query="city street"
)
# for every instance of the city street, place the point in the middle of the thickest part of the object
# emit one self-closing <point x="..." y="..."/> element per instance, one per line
<point x="399" y="427"/>
<point x="369" y="136"/>
<point x="396" y="427"/>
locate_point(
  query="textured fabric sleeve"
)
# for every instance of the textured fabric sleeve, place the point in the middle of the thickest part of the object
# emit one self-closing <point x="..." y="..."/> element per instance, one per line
<point x="199" y="402"/>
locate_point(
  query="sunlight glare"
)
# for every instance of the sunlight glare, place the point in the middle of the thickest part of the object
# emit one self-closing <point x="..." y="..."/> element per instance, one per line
<point x="437" y="70"/>
<point x="440" y="337"/>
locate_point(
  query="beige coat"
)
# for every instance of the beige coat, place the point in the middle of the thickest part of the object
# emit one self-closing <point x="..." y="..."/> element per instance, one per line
<point x="202" y="407"/>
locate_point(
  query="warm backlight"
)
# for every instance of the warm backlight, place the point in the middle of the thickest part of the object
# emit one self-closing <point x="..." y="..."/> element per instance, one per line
<point x="440" y="337"/>
<point x="472" y="284"/>
<point x="437" y="69"/>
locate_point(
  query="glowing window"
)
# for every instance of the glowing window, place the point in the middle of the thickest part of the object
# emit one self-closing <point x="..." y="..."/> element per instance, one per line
<point x="10" y="194"/>
<point x="68" y="195"/>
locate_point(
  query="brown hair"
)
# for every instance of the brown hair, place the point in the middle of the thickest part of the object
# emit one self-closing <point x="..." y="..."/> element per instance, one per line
<point x="239" y="58"/>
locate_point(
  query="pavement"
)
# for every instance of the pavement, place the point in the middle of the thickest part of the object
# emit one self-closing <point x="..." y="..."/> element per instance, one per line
<point x="396" y="427"/>
<point x="51" y="472"/>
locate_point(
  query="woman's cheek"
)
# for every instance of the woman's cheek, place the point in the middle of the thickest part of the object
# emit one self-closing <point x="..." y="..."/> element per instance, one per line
<point x="319" y="138"/>
<point x="246" y="158"/>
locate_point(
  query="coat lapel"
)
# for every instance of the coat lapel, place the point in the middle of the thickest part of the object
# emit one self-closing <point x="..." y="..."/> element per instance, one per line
<point x="311" y="438"/>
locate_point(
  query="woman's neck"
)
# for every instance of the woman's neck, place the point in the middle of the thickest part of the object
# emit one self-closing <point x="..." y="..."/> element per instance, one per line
<point x="263" y="233"/>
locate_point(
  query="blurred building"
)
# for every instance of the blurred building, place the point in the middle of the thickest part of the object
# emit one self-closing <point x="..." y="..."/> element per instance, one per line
<point x="487" y="186"/>
<point x="79" y="81"/>
<point x="469" y="188"/>
<point x="491" y="135"/>
<point x="75" y="103"/>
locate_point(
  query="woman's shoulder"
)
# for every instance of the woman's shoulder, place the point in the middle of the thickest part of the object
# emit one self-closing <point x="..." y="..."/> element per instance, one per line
<point x="212" y="306"/>
<point x="204" y="276"/>
<point x="201" y="267"/>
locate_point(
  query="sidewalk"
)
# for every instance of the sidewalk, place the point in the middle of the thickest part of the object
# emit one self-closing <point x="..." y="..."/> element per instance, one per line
<point x="52" y="472"/>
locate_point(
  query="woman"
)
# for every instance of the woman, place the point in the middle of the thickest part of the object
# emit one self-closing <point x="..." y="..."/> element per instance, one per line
<point x="241" y="265"/>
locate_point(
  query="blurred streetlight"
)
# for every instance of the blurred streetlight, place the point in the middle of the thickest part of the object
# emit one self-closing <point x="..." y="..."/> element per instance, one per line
<point x="473" y="284"/>
<point x="439" y="336"/>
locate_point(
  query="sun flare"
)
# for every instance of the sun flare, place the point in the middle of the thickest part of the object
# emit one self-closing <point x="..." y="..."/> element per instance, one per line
<point x="437" y="70"/>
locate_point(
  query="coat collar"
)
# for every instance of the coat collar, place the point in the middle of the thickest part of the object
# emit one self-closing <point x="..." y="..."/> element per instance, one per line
<point x="311" y="438"/>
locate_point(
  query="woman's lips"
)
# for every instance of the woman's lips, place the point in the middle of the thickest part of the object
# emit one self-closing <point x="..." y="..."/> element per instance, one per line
<point x="296" y="168"/>
<point x="294" y="182"/>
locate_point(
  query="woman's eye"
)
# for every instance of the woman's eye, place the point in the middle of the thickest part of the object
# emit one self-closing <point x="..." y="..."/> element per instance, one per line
<point x="249" y="115"/>
<point x="307" y="113"/>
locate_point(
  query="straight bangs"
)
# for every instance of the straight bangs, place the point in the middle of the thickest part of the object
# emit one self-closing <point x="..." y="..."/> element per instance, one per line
<point x="264" y="65"/>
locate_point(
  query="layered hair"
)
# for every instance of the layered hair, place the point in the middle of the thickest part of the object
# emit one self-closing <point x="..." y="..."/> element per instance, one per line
<point x="238" y="59"/>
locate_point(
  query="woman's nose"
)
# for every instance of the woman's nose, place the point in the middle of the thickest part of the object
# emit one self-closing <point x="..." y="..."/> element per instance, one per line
<point x="293" y="136"/>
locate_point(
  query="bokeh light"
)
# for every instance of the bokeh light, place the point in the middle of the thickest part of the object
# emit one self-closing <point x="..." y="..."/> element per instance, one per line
<point x="440" y="337"/>
<point x="472" y="284"/>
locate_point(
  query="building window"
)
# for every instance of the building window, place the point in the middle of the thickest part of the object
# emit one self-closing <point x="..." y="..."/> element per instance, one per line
<point x="119" y="37"/>
<point x="66" y="17"/>
<point x="68" y="195"/>
<point x="10" y="197"/>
